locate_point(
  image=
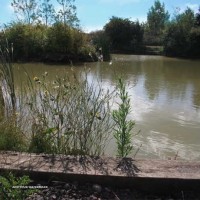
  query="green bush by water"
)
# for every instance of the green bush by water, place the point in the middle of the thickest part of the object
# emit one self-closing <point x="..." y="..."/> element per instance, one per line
<point x="123" y="134"/>
<point x="10" y="187"/>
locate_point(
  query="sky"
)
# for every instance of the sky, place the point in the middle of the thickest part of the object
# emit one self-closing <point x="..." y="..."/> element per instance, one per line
<point x="94" y="14"/>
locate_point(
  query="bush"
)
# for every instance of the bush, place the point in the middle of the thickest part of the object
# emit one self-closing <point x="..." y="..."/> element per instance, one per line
<point x="28" y="40"/>
<point x="58" y="42"/>
<point x="123" y="134"/>
<point x="8" y="183"/>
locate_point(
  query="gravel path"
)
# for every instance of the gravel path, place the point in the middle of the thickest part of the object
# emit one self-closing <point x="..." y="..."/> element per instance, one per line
<point x="73" y="191"/>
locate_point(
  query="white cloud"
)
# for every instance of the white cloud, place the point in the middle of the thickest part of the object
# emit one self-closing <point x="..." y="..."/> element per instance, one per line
<point x="9" y="8"/>
<point x="194" y="7"/>
<point x="139" y="18"/>
<point x="89" y="29"/>
<point x="119" y="2"/>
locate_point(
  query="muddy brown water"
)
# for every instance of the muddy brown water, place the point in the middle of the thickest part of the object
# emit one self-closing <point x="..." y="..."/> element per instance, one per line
<point x="165" y="100"/>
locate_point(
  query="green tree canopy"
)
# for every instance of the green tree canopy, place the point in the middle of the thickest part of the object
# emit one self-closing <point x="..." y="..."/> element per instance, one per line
<point x="123" y="34"/>
<point x="181" y="38"/>
<point x="198" y="18"/>
<point x="157" y="18"/>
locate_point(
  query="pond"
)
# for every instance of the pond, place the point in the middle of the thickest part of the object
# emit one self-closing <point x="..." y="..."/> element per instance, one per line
<point x="165" y="100"/>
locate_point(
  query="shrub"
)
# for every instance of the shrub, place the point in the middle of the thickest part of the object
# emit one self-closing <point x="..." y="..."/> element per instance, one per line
<point x="123" y="134"/>
<point x="9" y="187"/>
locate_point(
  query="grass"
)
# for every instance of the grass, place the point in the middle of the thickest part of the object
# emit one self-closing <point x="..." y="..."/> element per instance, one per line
<point x="11" y="137"/>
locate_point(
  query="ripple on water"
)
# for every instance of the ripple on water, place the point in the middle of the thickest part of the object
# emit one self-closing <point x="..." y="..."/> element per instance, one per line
<point x="159" y="145"/>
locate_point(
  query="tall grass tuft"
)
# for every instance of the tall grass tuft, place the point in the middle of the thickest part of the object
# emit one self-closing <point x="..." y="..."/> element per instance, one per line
<point x="7" y="77"/>
<point x="11" y="136"/>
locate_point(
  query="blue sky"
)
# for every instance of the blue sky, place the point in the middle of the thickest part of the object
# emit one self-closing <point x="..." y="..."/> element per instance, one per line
<point x="94" y="14"/>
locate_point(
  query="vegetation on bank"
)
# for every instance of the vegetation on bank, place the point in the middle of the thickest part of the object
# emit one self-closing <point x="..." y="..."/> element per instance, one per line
<point x="123" y="130"/>
<point x="13" y="187"/>
<point x="182" y="35"/>
<point x="178" y="35"/>
<point x="67" y="115"/>
<point x="42" y="33"/>
<point x="57" y="43"/>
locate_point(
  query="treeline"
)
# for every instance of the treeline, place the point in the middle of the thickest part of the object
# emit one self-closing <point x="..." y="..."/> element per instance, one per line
<point x="41" y="33"/>
<point x="182" y="35"/>
<point x="179" y="35"/>
<point x="119" y="36"/>
<point x="56" y="43"/>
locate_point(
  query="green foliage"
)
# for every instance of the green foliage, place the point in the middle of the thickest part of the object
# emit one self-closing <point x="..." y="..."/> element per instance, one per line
<point x="123" y="134"/>
<point x="34" y="40"/>
<point x="195" y="42"/>
<point x="157" y="19"/>
<point x="197" y="18"/>
<point x="11" y="137"/>
<point x="59" y="39"/>
<point x="10" y="187"/>
<point x="182" y="36"/>
<point x="101" y="43"/>
<point x="124" y="35"/>
<point x="28" y="40"/>
<point x="73" y="116"/>
<point x="38" y="42"/>
<point x="6" y="75"/>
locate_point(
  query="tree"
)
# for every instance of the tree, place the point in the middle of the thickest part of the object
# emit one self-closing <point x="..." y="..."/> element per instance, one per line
<point x="123" y="34"/>
<point x="26" y="10"/>
<point x="179" y="38"/>
<point x="28" y="40"/>
<point x="157" y="19"/>
<point x="67" y="13"/>
<point x="186" y="19"/>
<point x="47" y="12"/>
<point x="59" y="39"/>
<point x="198" y="18"/>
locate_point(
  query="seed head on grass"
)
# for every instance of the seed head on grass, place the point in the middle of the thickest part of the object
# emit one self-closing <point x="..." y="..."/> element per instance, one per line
<point x="36" y="79"/>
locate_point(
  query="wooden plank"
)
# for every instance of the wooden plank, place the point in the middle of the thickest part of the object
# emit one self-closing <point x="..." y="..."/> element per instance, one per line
<point x="143" y="174"/>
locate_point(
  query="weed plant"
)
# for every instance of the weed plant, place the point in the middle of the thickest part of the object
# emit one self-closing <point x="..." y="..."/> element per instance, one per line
<point x="10" y="187"/>
<point x="68" y="115"/>
<point x="11" y="136"/>
<point x="123" y="134"/>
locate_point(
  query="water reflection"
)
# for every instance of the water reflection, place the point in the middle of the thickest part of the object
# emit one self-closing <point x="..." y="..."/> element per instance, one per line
<point x="165" y="99"/>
